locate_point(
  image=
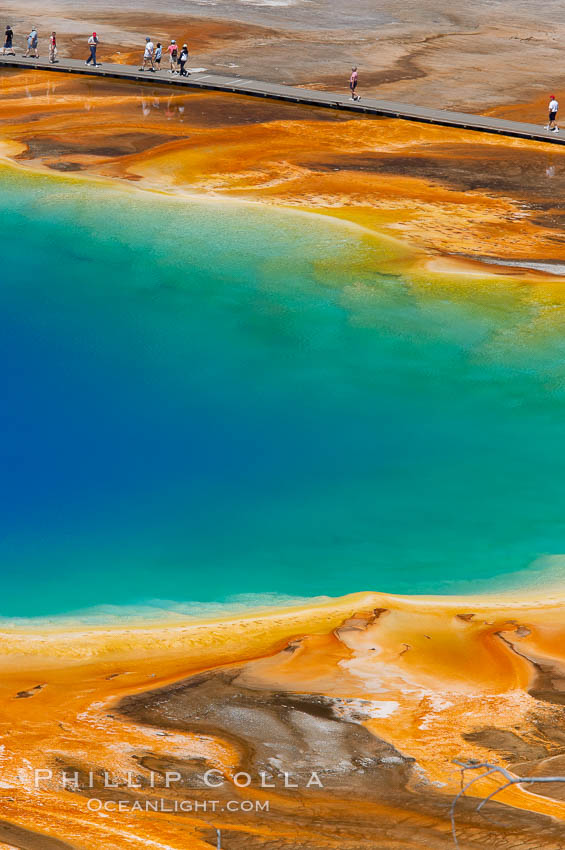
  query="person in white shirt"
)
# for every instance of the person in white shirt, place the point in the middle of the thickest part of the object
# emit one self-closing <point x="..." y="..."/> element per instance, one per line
<point x="148" y="55"/>
<point x="553" y="107"/>
<point x="92" y="44"/>
<point x="183" y="59"/>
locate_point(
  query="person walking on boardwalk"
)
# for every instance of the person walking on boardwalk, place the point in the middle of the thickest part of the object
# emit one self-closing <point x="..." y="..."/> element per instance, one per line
<point x="92" y="46"/>
<point x="353" y="83"/>
<point x="553" y="107"/>
<point x="53" y="47"/>
<point x="8" y="41"/>
<point x="148" y="55"/>
<point x="183" y="59"/>
<point x="32" y="44"/>
<point x="173" y="51"/>
<point x="158" y="55"/>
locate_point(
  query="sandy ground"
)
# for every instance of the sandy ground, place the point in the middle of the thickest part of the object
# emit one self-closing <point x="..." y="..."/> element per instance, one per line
<point x="474" y="56"/>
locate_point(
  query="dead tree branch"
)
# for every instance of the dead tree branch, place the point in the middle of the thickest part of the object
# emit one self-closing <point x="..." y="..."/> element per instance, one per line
<point x="487" y="769"/>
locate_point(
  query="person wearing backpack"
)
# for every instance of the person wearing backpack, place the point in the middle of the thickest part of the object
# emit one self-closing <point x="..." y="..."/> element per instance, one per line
<point x="173" y="51"/>
<point x="93" y="45"/>
<point x="183" y="59"/>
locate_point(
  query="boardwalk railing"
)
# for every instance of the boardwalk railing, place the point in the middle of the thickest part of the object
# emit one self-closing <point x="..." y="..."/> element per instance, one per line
<point x="293" y="94"/>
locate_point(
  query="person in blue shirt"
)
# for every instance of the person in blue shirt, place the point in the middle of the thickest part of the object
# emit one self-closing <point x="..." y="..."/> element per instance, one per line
<point x="32" y="44"/>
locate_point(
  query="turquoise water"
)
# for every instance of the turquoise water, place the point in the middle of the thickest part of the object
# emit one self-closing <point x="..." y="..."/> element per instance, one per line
<point x="206" y="400"/>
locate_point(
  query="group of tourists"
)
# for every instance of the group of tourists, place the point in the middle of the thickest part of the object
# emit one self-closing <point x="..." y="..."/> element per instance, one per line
<point x="153" y="54"/>
<point x="178" y="57"/>
<point x="32" y="44"/>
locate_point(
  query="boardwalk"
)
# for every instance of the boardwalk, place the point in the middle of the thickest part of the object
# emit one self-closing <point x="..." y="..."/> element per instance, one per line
<point x="310" y="97"/>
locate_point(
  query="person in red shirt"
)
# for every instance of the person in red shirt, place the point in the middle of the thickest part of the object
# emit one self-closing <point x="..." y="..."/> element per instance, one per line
<point x="53" y="47"/>
<point x="173" y="51"/>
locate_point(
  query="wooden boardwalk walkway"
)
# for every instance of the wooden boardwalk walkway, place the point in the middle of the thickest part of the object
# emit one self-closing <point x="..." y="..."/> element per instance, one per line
<point x="309" y="97"/>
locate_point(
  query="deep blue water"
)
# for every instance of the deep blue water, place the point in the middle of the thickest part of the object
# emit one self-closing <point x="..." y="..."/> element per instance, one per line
<point x="204" y="400"/>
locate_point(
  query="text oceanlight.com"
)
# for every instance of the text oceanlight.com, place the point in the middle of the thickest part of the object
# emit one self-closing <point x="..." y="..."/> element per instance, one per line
<point x="172" y="806"/>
